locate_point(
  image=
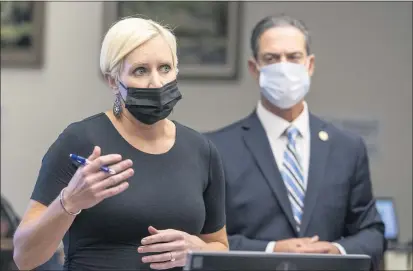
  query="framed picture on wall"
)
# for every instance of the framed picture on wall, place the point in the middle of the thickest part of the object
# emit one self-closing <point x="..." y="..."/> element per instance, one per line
<point x="22" y="27"/>
<point x="207" y="33"/>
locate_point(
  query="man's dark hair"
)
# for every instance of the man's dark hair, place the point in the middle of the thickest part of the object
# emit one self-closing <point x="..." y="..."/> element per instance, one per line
<point x="277" y="21"/>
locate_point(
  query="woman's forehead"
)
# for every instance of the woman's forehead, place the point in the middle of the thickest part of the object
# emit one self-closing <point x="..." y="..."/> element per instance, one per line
<point x="155" y="50"/>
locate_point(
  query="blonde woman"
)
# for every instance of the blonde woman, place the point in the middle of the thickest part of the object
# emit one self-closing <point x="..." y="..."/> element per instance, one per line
<point x="150" y="190"/>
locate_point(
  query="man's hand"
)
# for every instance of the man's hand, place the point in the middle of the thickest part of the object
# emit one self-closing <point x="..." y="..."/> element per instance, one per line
<point x="293" y="245"/>
<point x="319" y="247"/>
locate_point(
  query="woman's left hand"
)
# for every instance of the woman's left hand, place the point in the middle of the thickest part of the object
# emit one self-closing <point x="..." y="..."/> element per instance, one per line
<point x="172" y="246"/>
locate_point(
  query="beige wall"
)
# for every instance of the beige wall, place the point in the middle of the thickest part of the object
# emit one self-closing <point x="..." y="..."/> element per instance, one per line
<point x="363" y="70"/>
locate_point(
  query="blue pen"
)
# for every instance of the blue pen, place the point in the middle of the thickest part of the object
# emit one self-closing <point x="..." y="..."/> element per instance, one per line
<point x="83" y="161"/>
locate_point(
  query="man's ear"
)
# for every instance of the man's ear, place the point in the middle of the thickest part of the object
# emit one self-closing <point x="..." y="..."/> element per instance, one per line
<point x="253" y="69"/>
<point x="311" y="65"/>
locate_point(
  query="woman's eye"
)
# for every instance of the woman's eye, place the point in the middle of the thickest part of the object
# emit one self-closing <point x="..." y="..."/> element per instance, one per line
<point x="139" y="71"/>
<point x="165" y="68"/>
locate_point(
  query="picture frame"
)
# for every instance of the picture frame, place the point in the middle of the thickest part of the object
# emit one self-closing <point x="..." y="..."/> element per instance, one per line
<point x="207" y="33"/>
<point x="22" y="33"/>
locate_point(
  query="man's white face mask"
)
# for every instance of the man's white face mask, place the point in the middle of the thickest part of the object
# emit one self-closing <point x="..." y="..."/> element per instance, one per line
<point x="284" y="84"/>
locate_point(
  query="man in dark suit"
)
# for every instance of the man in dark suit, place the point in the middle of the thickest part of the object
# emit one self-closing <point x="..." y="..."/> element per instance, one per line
<point x="295" y="183"/>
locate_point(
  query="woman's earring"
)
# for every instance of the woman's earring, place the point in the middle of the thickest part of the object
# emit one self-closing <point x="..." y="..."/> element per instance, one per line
<point x="117" y="106"/>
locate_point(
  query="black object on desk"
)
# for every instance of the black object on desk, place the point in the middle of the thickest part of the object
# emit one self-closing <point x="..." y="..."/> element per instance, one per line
<point x="261" y="261"/>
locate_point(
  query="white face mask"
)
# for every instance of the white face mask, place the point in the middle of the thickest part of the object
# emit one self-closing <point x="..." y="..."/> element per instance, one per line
<point x="284" y="84"/>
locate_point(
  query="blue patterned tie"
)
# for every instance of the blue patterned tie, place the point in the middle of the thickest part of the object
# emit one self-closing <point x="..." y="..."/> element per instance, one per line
<point x="292" y="174"/>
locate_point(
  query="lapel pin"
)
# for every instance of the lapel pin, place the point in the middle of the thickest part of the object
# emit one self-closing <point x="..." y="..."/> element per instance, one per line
<point x="323" y="135"/>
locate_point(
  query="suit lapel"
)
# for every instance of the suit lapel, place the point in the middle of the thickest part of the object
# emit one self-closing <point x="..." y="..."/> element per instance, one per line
<point x="257" y="142"/>
<point x="319" y="151"/>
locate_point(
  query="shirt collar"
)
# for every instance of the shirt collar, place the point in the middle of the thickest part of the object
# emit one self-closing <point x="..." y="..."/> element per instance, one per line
<point x="275" y="126"/>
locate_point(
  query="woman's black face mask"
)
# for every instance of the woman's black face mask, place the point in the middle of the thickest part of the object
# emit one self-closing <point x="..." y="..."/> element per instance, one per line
<point x="150" y="105"/>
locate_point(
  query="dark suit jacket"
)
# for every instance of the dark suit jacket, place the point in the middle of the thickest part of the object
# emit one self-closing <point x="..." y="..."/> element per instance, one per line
<point x="339" y="205"/>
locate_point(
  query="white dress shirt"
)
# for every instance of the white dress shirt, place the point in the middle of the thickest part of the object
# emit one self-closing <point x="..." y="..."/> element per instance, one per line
<point x="275" y="128"/>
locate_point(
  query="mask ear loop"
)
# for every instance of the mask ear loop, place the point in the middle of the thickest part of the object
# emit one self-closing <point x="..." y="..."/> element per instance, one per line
<point x="307" y="64"/>
<point x="257" y="67"/>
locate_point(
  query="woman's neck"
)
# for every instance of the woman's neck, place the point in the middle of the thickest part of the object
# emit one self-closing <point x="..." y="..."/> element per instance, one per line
<point x="134" y="128"/>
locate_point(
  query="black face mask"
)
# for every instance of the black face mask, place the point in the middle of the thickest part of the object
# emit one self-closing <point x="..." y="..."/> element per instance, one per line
<point x="150" y="105"/>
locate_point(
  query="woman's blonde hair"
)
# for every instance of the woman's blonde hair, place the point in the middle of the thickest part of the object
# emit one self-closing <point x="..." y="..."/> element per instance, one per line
<point x="125" y="36"/>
